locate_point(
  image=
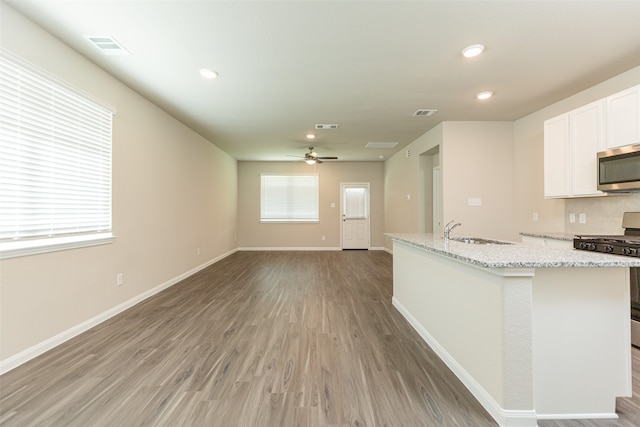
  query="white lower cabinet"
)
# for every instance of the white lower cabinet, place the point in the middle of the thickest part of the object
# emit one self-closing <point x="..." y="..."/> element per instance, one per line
<point x="571" y="142"/>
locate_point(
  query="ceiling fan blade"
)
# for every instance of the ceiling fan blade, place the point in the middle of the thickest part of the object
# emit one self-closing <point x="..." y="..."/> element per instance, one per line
<point x="327" y="158"/>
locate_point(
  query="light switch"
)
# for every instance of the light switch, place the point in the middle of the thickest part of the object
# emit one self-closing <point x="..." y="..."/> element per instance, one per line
<point x="582" y="218"/>
<point x="572" y="218"/>
<point x="333" y="205"/>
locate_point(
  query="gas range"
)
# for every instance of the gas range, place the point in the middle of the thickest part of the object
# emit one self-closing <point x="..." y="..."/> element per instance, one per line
<point x="627" y="244"/>
<point x="617" y="245"/>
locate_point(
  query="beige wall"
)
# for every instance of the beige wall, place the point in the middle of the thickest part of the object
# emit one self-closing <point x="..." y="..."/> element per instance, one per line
<point x="604" y="214"/>
<point x="405" y="175"/>
<point x="253" y="234"/>
<point x="476" y="161"/>
<point x="173" y="192"/>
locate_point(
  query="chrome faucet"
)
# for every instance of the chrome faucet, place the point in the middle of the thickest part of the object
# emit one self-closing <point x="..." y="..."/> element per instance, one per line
<point x="449" y="228"/>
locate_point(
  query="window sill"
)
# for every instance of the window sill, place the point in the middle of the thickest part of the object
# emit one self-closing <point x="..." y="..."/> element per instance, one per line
<point x="53" y="244"/>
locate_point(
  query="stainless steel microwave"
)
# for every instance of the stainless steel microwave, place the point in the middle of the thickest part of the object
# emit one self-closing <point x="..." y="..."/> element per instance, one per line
<point x="619" y="169"/>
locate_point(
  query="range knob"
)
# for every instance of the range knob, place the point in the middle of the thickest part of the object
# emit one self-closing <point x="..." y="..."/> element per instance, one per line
<point x="583" y="245"/>
<point x="592" y="246"/>
<point x="608" y="249"/>
<point x="629" y="251"/>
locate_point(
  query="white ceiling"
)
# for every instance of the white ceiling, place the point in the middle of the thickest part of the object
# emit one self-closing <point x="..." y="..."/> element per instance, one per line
<point x="366" y="65"/>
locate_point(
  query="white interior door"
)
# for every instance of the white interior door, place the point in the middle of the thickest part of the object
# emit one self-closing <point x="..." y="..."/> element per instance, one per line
<point x="355" y="215"/>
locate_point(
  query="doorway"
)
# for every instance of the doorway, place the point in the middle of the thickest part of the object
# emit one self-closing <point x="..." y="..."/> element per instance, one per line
<point x="354" y="208"/>
<point x="430" y="192"/>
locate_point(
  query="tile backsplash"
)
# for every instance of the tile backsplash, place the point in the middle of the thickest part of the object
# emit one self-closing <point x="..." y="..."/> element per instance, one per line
<point x="604" y="214"/>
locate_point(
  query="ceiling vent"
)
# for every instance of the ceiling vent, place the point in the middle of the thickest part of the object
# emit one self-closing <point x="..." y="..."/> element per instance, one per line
<point x="326" y="126"/>
<point x="424" y="113"/>
<point x="381" y="144"/>
<point x="107" y="45"/>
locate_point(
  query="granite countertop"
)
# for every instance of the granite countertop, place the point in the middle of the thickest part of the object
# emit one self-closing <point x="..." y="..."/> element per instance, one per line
<point x="516" y="255"/>
<point x="551" y="235"/>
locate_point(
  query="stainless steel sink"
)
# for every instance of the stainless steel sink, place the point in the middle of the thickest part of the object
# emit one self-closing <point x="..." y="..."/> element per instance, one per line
<point x="478" y="241"/>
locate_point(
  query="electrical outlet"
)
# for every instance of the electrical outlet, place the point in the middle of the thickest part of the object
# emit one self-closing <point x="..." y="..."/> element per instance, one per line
<point x="572" y="218"/>
<point x="198" y="251"/>
<point x="582" y="218"/>
<point x="536" y="216"/>
<point x="324" y="237"/>
<point x="119" y="279"/>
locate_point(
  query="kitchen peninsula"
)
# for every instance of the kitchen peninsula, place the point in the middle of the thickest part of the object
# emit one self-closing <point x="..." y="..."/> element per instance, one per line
<point x="533" y="332"/>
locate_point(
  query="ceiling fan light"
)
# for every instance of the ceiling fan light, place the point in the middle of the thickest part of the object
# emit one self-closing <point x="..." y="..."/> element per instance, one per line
<point x="310" y="161"/>
<point x="473" y="50"/>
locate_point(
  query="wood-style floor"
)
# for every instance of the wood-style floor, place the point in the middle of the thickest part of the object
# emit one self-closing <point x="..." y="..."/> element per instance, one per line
<point x="257" y="339"/>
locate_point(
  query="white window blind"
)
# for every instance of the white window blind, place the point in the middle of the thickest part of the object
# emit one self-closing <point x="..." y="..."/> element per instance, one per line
<point x="355" y="203"/>
<point x="289" y="198"/>
<point x="55" y="158"/>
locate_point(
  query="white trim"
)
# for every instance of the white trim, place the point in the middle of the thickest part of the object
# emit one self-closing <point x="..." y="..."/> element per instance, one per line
<point x="276" y="248"/>
<point x="580" y="416"/>
<point x="377" y="248"/>
<point x="389" y="251"/>
<point x="40" y="246"/>
<point x="504" y="417"/>
<point x="24" y="356"/>
<point x="289" y="221"/>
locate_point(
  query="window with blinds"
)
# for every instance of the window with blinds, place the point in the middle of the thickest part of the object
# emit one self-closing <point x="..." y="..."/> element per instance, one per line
<point x="55" y="158"/>
<point x="289" y="198"/>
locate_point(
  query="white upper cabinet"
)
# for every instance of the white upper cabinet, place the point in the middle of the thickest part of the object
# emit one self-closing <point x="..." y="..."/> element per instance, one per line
<point x="623" y="118"/>
<point x="571" y="142"/>
<point x="557" y="157"/>
<point x="586" y="139"/>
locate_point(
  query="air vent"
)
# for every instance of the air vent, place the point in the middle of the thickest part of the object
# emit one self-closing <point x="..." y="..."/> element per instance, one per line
<point x="107" y="45"/>
<point x="424" y="113"/>
<point x="326" y="126"/>
<point x="381" y="144"/>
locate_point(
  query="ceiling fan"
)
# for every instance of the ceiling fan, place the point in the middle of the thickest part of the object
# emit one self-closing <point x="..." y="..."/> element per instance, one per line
<point x="312" y="157"/>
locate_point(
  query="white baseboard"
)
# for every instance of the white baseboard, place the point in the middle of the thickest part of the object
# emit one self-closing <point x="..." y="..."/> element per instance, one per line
<point x="24" y="356"/>
<point x="604" y="415"/>
<point x="390" y="251"/>
<point x="275" y="248"/>
<point x="504" y="417"/>
<point x="322" y="248"/>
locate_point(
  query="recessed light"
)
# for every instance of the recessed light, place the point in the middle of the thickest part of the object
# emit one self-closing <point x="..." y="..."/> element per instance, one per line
<point x="208" y="73"/>
<point x="484" y="95"/>
<point x="310" y="136"/>
<point x="473" y="50"/>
